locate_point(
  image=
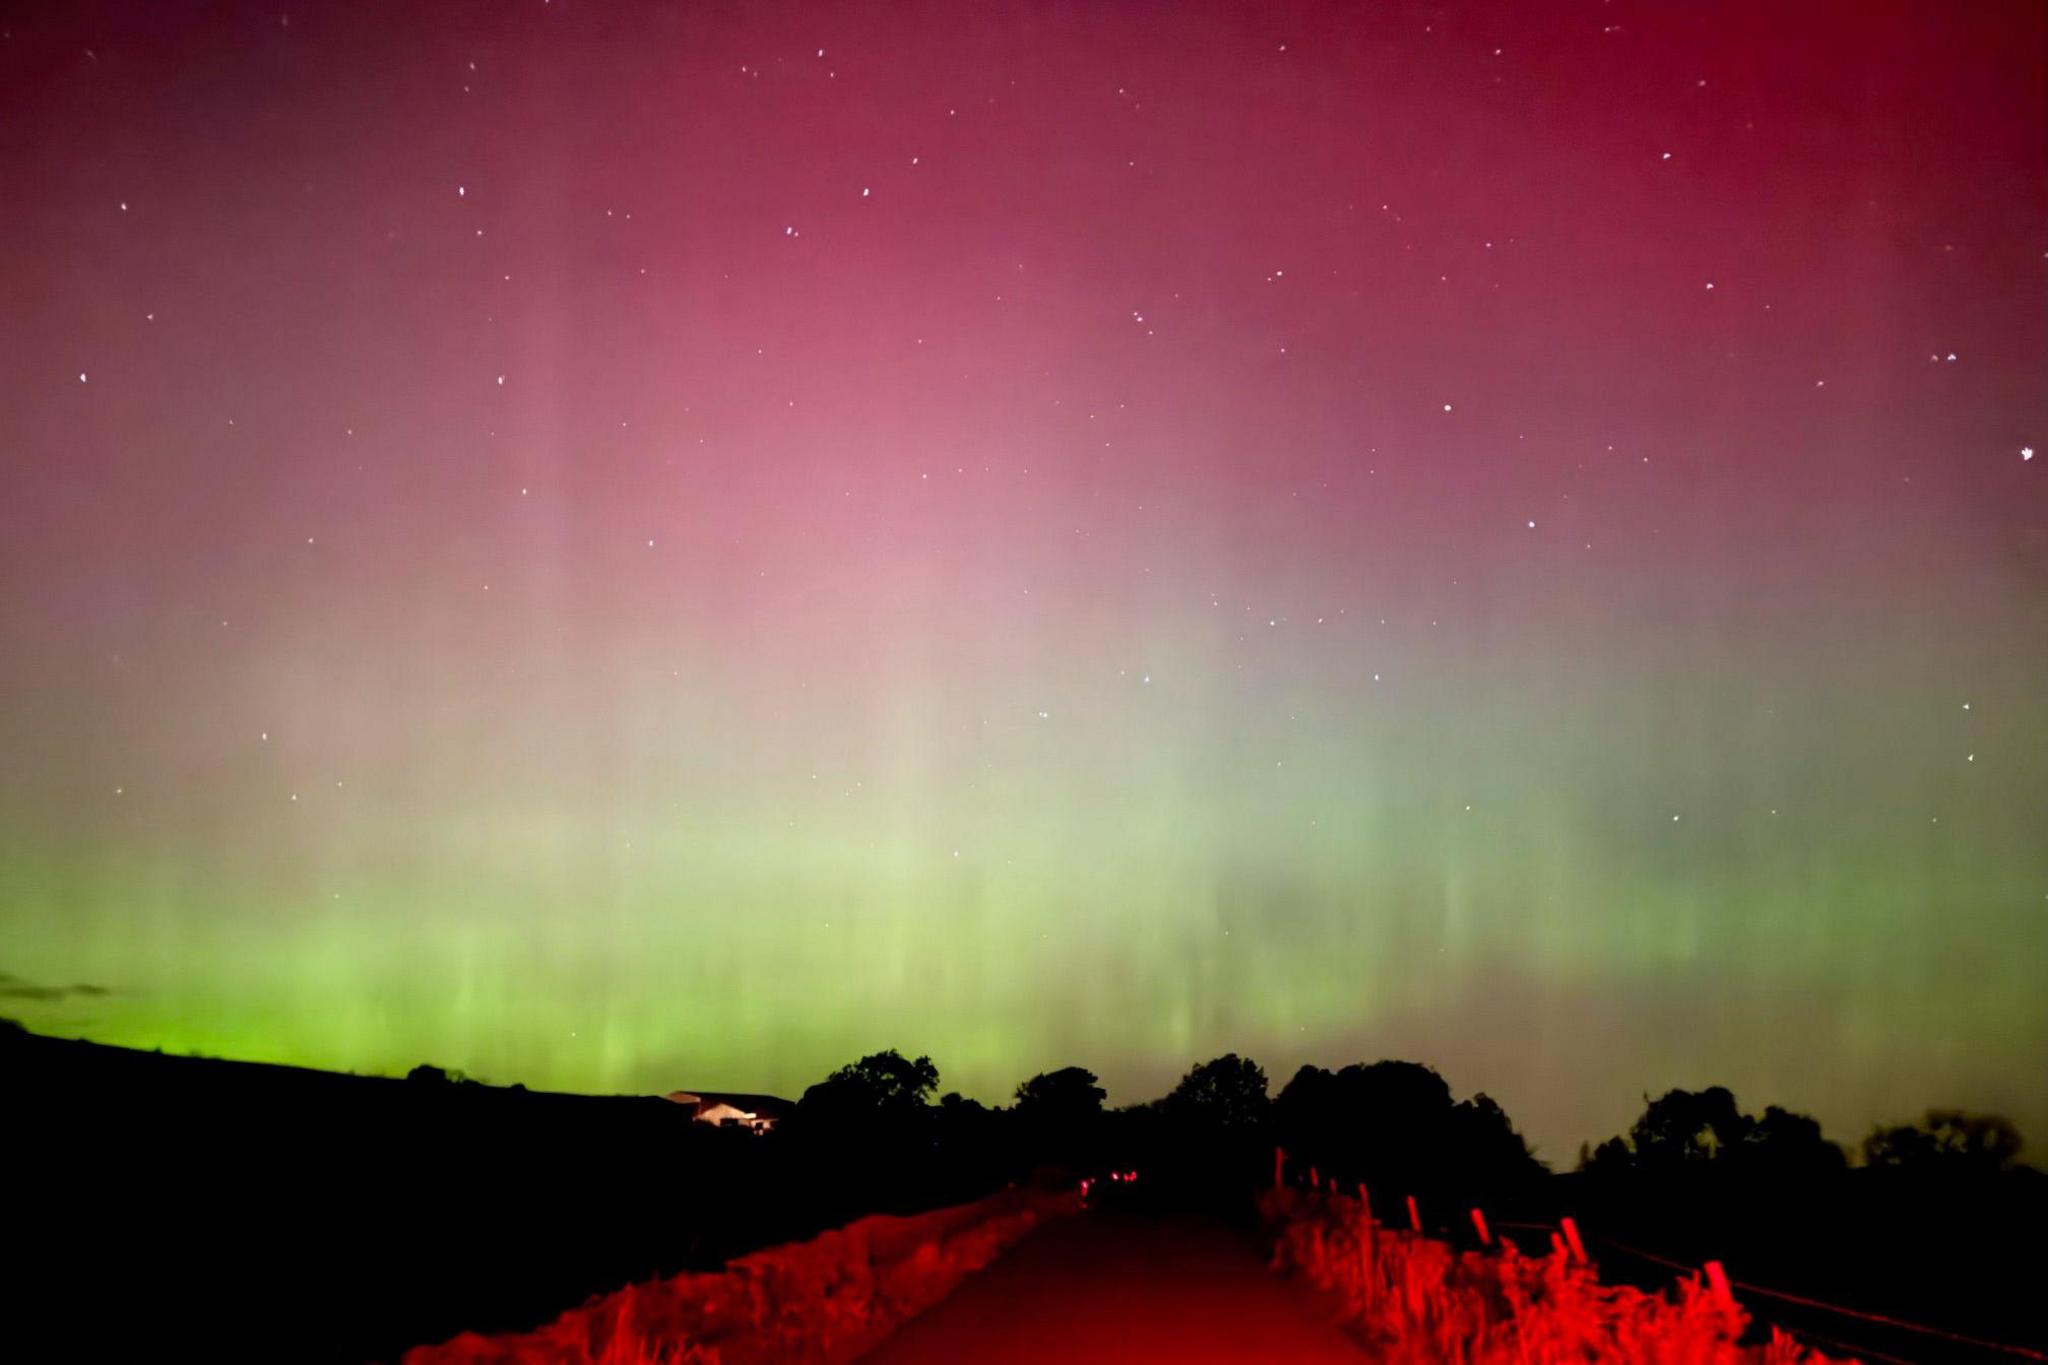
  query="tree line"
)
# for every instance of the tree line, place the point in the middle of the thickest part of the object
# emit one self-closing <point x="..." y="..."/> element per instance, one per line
<point x="1393" y="1125"/>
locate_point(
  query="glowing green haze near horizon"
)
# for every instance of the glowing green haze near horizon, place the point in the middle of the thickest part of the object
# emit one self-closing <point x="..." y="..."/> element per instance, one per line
<point x="667" y="560"/>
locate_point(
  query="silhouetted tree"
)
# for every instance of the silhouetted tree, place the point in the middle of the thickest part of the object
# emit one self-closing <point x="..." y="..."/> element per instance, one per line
<point x="1393" y="1125"/>
<point x="1306" y="1106"/>
<point x="1398" y="1087"/>
<point x="1611" y="1157"/>
<point x="1685" y="1125"/>
<point x="883" y="1086"/>
<point x="1783" y="1145"/>
<point x="968" y="1135"/>
<point x="1227" y="1094"/>
<point x="1068" y="1095"/>
<point x="1486" y="1153"/>
<point x="1946" y="1139"/>
<point x="1059" y="1118"/>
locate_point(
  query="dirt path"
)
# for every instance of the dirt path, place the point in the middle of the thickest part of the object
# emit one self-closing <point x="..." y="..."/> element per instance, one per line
<point x="1125" y="1288"/>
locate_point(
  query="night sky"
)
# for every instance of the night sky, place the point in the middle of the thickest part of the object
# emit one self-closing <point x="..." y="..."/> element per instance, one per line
<point x="622" y="546"/>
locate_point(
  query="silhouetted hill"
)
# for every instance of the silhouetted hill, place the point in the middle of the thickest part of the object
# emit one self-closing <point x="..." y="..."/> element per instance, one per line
<point x="188" y="1208"/>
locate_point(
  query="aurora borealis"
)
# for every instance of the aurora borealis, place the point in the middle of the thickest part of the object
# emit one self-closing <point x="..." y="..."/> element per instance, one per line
<point x="624" y="546"/>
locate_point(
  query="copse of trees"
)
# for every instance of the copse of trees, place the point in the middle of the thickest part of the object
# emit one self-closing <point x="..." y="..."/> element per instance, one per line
<point x="1946" y="1140"/>
<point x="1707" y="1128"/>
<point x="1702" y="1131"/>
<point x="1394" y="1125"/>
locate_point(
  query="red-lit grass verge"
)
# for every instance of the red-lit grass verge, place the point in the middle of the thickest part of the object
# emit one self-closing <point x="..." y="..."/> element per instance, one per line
<point x="825" y="1300"/>
<point x="1414" y="1300"/>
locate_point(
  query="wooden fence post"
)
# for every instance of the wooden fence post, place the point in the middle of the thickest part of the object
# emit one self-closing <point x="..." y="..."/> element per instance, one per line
<point x="1479" y="1226"/>
<point x="1414" y="1215"/>
<point x="1571" y="1237"/>
<point x="1279" y="1167"/>
<point x="1717" y="1281"/>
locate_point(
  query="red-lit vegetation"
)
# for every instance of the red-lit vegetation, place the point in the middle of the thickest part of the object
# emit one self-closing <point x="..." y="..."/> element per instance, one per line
<point x="1418" y="1301"/>
<point x="825" y="1300"/>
